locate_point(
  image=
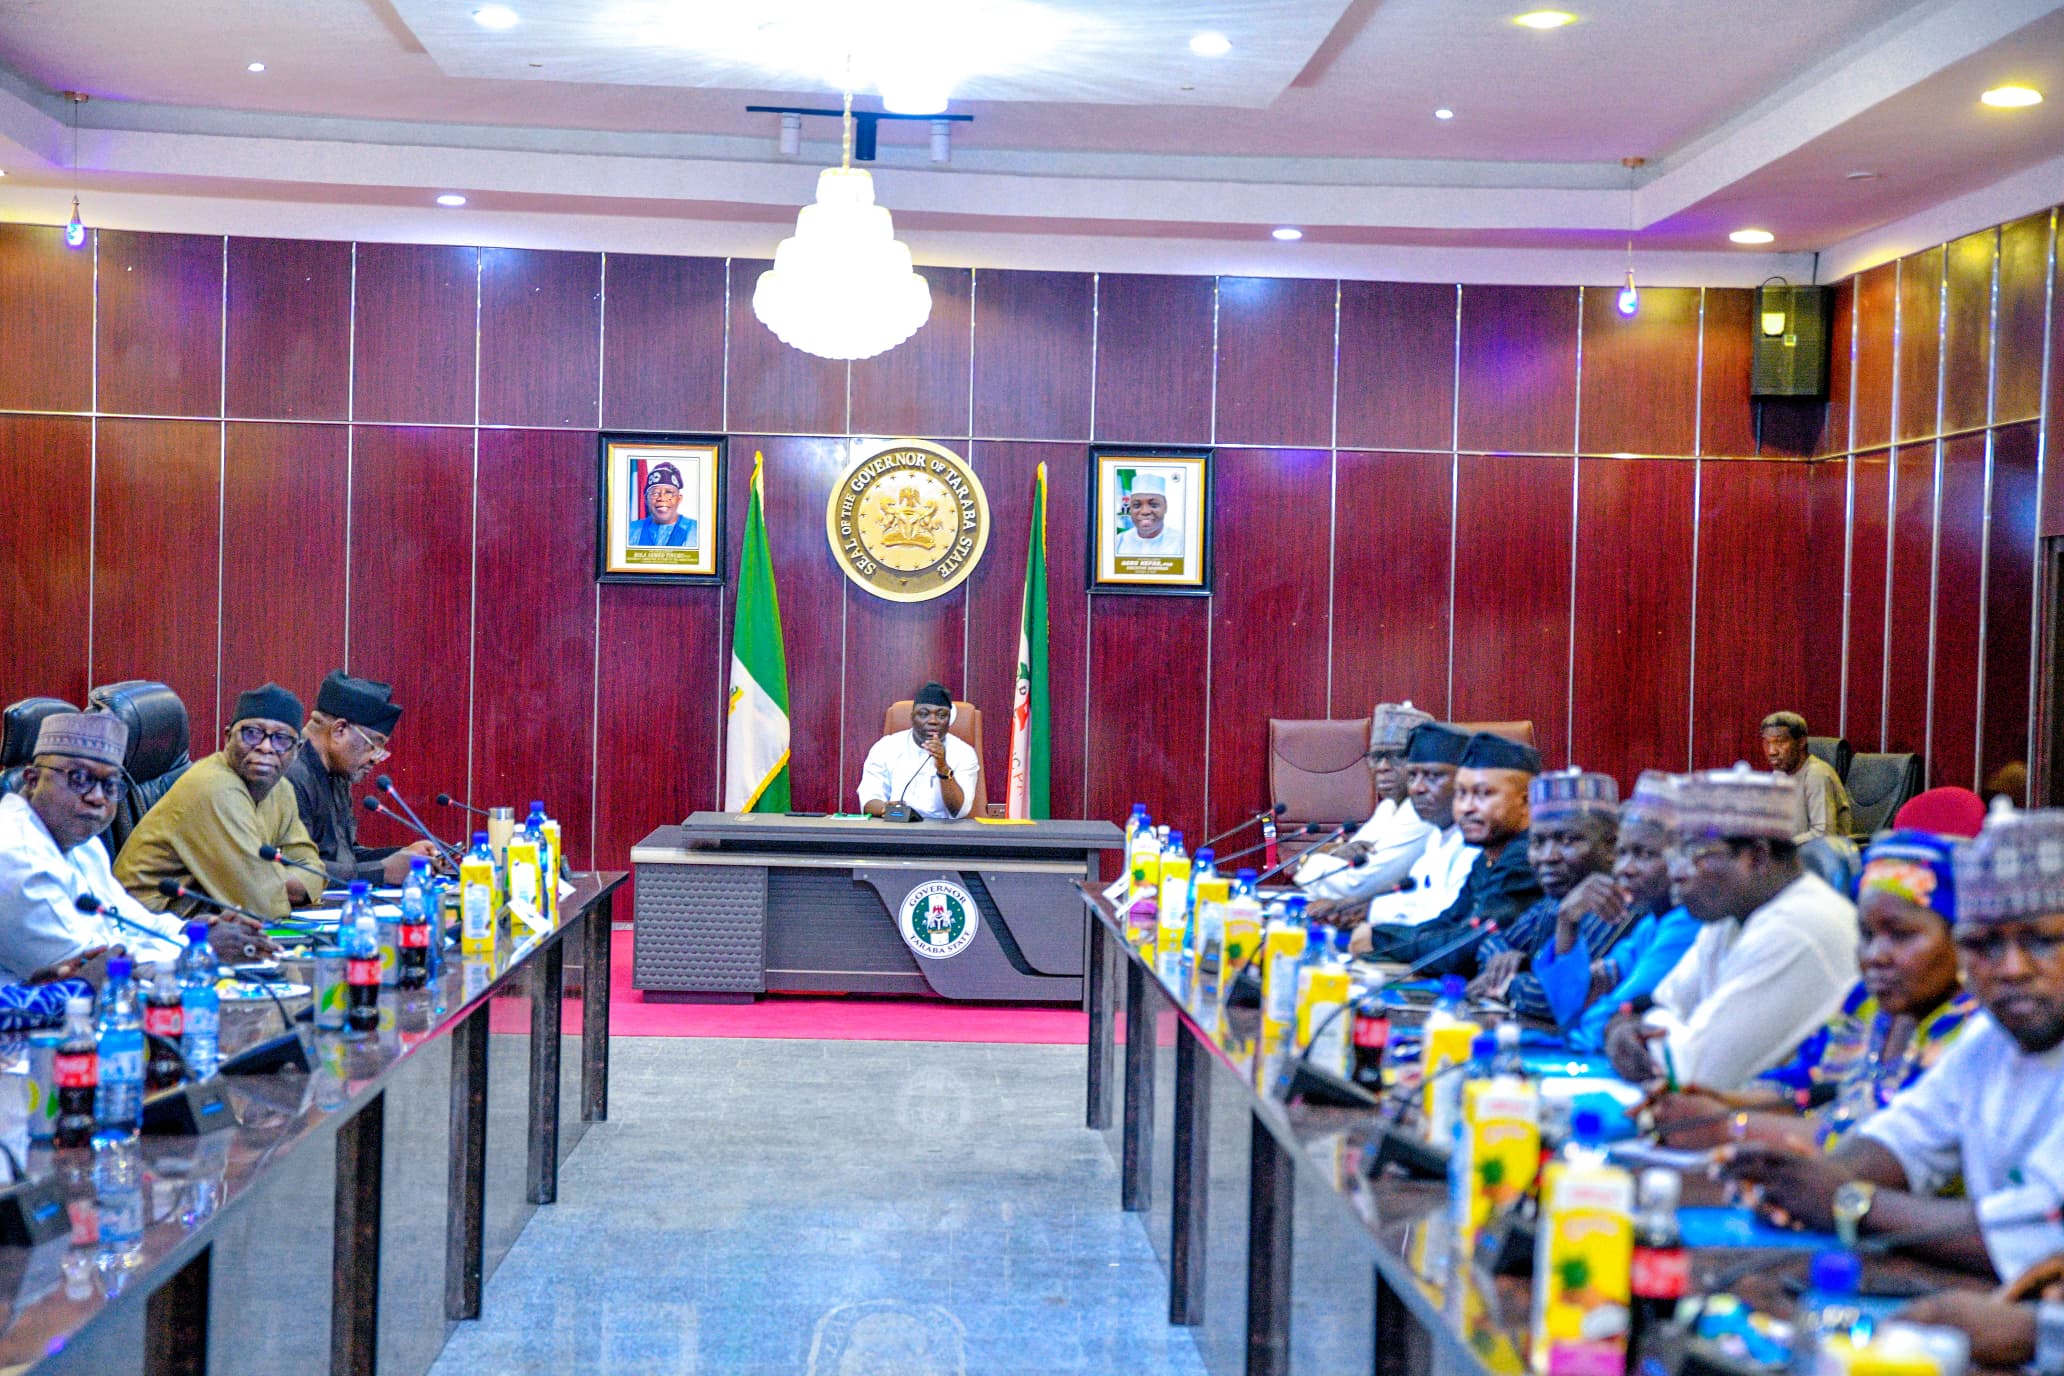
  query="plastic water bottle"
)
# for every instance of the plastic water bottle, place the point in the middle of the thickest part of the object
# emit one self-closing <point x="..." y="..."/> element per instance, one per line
<point x="359" y="934"/>
<point x="200" y="1038"/>
<point x="118" y="1105"/>
<point x="1508" y="1060"/>
<point x="118" y="1191"/>
<point x="412" y="944"/>
<point x="1829" y="1308"/>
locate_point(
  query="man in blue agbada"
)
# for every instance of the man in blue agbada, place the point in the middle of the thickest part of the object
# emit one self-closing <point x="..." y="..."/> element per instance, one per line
<point x="664" y="527"/>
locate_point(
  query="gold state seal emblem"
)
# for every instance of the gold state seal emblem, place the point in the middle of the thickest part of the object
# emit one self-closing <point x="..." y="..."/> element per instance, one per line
<point x="908" y="521"/>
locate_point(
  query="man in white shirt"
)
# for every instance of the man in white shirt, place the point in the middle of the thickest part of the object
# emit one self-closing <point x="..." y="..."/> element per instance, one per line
<point x="1378" y="856"/>
<point x="1150" y="531"/>
<point x="925" y="768"/>
<point x="1433" y="757"/>
<point x="1992" y="1109"/>
<point x="1776" y="954"/>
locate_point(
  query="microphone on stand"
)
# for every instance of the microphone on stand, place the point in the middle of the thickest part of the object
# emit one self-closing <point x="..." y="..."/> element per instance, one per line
<point x="172" y="888"/>
<point x="273" y="853"/>
<point x="1308" y="829"/>
<point x="93" y="907"/>
<point x="446" y="800"/>
<point x="1478" y="930"/>
<point x="1338" y="833"/>
<point x="1278" y="810"/>
<point x="372" y="804"/>
<point x="385" y="783"/>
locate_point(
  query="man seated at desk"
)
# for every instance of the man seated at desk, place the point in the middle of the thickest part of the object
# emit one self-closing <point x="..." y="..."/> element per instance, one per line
<point x="926" y="767"/>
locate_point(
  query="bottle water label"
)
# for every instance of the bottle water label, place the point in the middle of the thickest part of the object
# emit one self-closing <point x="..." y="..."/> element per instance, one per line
<point x="203" y="1017"/>
<point x="121" y="1068"/>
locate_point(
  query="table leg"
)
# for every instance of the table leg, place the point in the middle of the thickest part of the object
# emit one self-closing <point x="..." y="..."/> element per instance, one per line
<point x="1136" y="1164"/>
<point x="1271" y="1192"/>
<point x="1191" y="1187"/>
<point x="464" y="1224"/>
<point x="175" y="1332"/>
<point x="1102" y="1042"/>
<point x="547" y="988"/>
<point x="595" y="1013"/>
<point x="355" y="1243"/>
<point x="1393" y="1337"/>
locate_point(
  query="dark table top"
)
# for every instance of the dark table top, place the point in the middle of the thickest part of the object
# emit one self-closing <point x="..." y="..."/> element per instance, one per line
<point x="771" y="832"/>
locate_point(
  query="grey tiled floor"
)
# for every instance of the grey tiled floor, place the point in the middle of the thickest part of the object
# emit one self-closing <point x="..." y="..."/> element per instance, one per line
<point x="831" y="1209"/>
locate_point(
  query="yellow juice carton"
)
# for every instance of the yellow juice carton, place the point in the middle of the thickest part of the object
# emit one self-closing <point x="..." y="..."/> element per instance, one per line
<point x="1282" y="950"/>
<point x="1499" y="1149"/>
<point x="554" y="854"/>
<point x="1445" y="1042"/>
<point x="476" y="905"/>
<point x="526" y="881"/>
<point x="1174" y="918"/>
<point x="1323" y="1014"/>
<point x="1582" y="1256"/>
<point x="1144" y="866"/>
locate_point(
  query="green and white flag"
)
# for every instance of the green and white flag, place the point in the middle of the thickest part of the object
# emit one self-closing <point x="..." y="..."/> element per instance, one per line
<point x="756" y="720"/>
<point x="1031" y="746"/>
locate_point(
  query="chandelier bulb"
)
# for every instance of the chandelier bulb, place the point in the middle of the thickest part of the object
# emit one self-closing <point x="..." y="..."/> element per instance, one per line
<point x="75" y="232"/>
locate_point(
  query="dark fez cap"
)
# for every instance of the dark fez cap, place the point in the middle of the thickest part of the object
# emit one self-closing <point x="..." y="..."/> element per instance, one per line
<point x="364" y="701"/>
<point x="1433" y="742"/>
<point x="270" y="703"/>
<point x="934" y="694"/>
<point x="1489" y="751"/>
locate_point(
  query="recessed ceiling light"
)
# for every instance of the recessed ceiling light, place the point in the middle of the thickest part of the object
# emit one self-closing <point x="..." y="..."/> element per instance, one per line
<point x="1287" y="234"/>
<point x="451" y="199"/>
<point x="1752" y="236"/>
<point x="1210" y="44"/>
<point x="496" y="17"/>
<point x="255" y="67"/>
<point x="2011" y="97"/>
<point x="1544" y="19"/>
<point x="1444" y="113"/>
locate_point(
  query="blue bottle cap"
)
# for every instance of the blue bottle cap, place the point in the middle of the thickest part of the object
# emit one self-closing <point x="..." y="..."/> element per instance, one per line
<point x="1205" y="855"/>
<point x="1837" y="1273"/>
<point x="1315" y="935"/>
<point x="119" y="967"/>
<point x="1294" y="905"/>
<point x="1249" y="876"/>
<point x="1175" y="839"/>
<point x="1139" y="809"/>
<point x="537" y="807"/>
<point x="360" y="888"/>
<point x="1586" y="1125"/>
<point x="196" y="931"/>
<point x="1343" y="941"/>
<point x="1483" y="1048"/>
<point x="1453" y="986"/>
<point x="419" y="865"/>
<point x="479" y="838"/>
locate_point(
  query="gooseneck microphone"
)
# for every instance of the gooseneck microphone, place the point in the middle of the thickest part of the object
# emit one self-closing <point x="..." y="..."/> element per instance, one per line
<point x="1273" y="870"/>
<point x="172" y="888"/>
<point x="1308" y="829"/>
<point x="93" y="907"/>
<point x="446" y="800"/>
<point x="373" y="804"/>
<point x="385" y="783"/>
<point x="1278" y="810"/>
<point x="273" y="853"/>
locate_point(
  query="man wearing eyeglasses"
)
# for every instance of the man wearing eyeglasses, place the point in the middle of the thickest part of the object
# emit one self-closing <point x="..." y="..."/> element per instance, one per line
<point x="207" y="830"/>
<point x="346" y="739"/>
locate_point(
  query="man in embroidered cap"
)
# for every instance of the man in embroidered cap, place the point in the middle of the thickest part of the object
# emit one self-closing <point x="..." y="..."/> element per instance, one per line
<point x="1433" y="757"/>
<point x="346" y="738"/>
<point x="1379" y="855"/>
<point x="1992" y="1109"/>
<point x="1146" y="507"/>
<point x="664" y="526"/>
<point x="1775" y="957"/>
<point x="1576" y="818"/>
<point x="1822" y="801"/>
<point x="205" y="832"/>
<point x="928" y="767"/>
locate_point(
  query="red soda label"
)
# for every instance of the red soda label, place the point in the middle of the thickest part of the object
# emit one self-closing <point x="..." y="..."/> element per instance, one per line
<point x="168" y="1023"/>
<point x="1660" y="1273"/>
<point x="77" y="1070"/>
<point x="415" y="934"/>
<point x="358" y="971"/>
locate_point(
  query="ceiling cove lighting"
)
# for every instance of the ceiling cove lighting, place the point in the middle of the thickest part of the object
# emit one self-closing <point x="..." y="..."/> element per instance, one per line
<point x="1444" y="113"/>
<point x="496" y="17"/>
<point x="1210" y="44"/>
<point x="1752" y="236"/>
<point x="1544" y="19"/>
<point x="2012" y="97"/>
<point x="1288" y="234"/>
<point x="451" y="200"/>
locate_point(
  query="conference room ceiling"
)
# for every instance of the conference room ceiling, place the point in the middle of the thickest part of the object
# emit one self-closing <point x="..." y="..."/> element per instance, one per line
<point x="1091" y="117"/>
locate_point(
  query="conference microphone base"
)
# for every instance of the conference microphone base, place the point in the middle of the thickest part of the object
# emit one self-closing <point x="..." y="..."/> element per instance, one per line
<point x="900" y="812"/>
<point x="32" y="1212"/>
<point x="286" y="1052"/>
<point x="188" y="1110"/>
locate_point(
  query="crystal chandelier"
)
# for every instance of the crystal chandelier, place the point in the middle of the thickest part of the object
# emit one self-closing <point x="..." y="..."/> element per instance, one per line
<point x="842" y="286"/>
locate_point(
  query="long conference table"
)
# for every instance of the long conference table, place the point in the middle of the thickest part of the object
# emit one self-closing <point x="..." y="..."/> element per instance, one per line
<point x="351" y="1218"/>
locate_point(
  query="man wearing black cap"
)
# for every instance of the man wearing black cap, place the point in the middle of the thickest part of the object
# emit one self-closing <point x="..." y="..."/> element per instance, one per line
<point x="664" y="527"/>
<point x="927" y="767"/>
<point x="346" y="737"/>
<point x="1433" y="752"/>
<point x="207" y="830"/>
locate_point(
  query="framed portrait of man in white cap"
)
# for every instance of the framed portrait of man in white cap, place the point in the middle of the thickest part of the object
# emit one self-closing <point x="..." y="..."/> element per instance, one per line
<point x="1151" y="510"/>
<point x="660" y="514"/>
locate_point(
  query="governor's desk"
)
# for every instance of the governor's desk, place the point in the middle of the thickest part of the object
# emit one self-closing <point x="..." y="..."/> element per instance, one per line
<point x="729" y="906"/>
<point x="349" y="1219"/>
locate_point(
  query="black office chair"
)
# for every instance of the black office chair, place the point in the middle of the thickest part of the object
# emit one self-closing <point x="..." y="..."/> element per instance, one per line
<point x="157" y="754"/>
<point x="1879" y="785"/>
<point x="21" y="721"/>
<point x="1834" y="752"/>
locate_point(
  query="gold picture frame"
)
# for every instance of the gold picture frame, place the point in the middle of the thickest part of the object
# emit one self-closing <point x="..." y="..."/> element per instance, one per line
<point x="650" y="530"/>
<point x="1169" y="490"/>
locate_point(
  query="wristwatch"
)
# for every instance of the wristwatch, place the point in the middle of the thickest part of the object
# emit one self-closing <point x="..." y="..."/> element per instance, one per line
<point x="1852" y="1205"/>
<point x="2049" y="1339"/>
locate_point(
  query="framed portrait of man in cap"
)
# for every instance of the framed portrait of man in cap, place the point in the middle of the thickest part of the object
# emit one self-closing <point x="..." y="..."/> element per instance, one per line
<point x="660" y="514"/>
<point x="1150" y="511"/>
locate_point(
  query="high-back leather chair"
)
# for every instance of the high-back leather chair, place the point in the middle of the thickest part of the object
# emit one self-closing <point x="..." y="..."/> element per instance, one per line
<point x="966" y="724"/>
<point x="1520" y="731"/>
<point x="18" y="728"/>
<point x="1879" y="786"/>
<point x="157" y="754"/>
<point x="1318" y="770"/>
<point x="1834" y="752"/>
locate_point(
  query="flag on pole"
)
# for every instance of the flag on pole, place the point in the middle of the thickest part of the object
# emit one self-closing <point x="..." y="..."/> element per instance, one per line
<point x="756" y="719"/>
<point x="1031" y="714"/>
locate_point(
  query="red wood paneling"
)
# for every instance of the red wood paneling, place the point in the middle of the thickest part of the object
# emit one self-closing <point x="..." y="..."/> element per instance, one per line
<point x="1834" y="435"/>
<point x="288" y="629"/>
<point x="1147" y="670"/>
<point x="2024" y="270"/>
<point x="662" y="345"/>
<point x="160" y="321"/>
<point x="540" y="337"/>
<point x="1633" y="619"/>
<point x="1390" y="581"/>
<point x="1275" y="360"/>
<point x="1641" y="374"/>
<point x="1912" y="592"/>
<point x="1821" y="595"/>
<point x="288" y="335"/>
<point x="771" y="388"/>
<point x="1269" y="626"/>
<point x="2010" y="565"/>
<point x="412" y="606"/>
<point x="1727" y="420"/>
<point x="661" y="685"/>
<point x="154" y="560"/>
<point x="1512" y="595"/>
<point x="46" y="481"/>
<point x="1877" y="306"/>
<point x="995" y="603"/>
<point x="1154" y="359"/>
<point x="1967" y="331"/>
<point x="1920" y="344"/>
<point x="46" y="321"/>
<point x="1033" y="325"/>
<point x="1870" y="500"/>
<point x="415" y="334"/>
<point x="1397" y="364"/>
<point x="1959" y="573"/>
<point x="921" y="387"/>
<point x="1751" y="565"/>
<point x="1518" y="369"/>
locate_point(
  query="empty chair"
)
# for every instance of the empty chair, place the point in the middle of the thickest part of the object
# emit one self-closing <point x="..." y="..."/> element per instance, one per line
<point x="157" y="755"/>
<point x="22" y="721"/>
<point x="1878" y="786"/>
<point x="966" y="724"/>
<point x="1521" y="731"/>
<point x="1319" y="771"/>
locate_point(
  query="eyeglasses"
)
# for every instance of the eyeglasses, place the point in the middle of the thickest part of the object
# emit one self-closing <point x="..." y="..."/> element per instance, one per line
<point x="1695" y="853"/>
<point x="282" y="742"/>
<point x="1990" y="946"/>
<point x="379" y="750"/>
<point x="115" y="787"/>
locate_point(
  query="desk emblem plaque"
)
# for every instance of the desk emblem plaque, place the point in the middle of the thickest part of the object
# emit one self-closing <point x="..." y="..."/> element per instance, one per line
<point x="908" y="521"/>
<point x="938" y="919"/>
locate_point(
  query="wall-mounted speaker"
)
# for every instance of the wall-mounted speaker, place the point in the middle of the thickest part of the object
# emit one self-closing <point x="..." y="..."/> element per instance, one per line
<point x="1790" y="357"/>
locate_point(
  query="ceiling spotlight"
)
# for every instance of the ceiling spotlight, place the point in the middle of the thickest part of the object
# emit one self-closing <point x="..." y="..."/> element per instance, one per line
<point x="1287" y="234"/>
<point x="451" y="199"/>
<point x="255" y="67"/>
<point x="496" y="17"/>
<point x="1544" y="19"/>
<point x="1444" y="113"/>
<point x="1861" y="176"/>
<point x="2011" y="97"/>
<point x="1209" y="44"/>
<point x="1752" y="236"/>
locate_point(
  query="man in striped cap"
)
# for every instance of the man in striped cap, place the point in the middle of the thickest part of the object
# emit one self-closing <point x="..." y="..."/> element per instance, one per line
<point x="1575" y="821"/>
<point x="1375" y="858"/>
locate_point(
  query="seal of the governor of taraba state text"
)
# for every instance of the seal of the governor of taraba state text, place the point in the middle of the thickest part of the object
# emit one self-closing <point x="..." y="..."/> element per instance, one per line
<point x="908" y="521"/>
<point x="938" y="919"/>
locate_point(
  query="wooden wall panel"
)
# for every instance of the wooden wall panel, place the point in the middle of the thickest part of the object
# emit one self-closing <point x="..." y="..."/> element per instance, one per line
<point x="1870" y="499"/>
<point x="46" y="481"/>
<point x="1911" y="595"/>
<point x="534" y="629"/>
<point x="1033" y="325"/>
<point x="46" y="321"/>
<point x="1727" y="419"/>
<point x="1519" y="369"/>
<point x="923" y="385"/>
<point x="662" y="343"/>
<point x="1275" y="360"/>
<point x="1269" y="622"/>
<point x="1397" y="365"/>
<point x="1959" y="613"/>
<point x="1512" y="595"/>
<point x="1147" y="670"/>
<point x="891" y="649"/>
<point x="1641" y="375"/>
<point x="287" y="352"/>
<point x="160" y="323"/>
<point x="2024" y="270"/>
<point x="1821" y="593"/>
<point x="1749" y="556"/>
<point x="415" y="334"/>
<point x="771" y="388"/>
<point x="283" y="504"/>
<point x="2010" y="565"/>
<point x="1393" y="516"/>
<point x="1920" y="344"/>
<point x="540" y="337"/>
<point x="1633" y="615"/>
<point x="1834" y="435"/>
<point x="1154" y="359"/>
<point x="1967" y="331"/>
<point x="155" y="585"/>
<point x="661" y="688"/>
<point x="1877" y="308"/>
